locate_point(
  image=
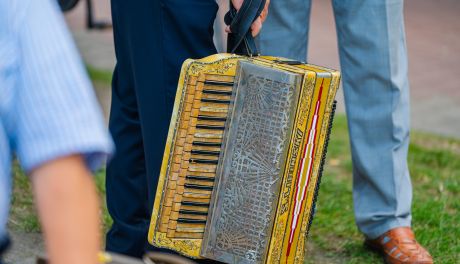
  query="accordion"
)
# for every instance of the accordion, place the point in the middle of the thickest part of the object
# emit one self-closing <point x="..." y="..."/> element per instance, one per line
<point x="243" y="159"/>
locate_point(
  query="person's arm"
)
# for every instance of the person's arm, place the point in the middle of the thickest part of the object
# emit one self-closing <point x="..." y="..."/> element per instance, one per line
<point x="67" y="204"/>
<point x="57" y="129"/>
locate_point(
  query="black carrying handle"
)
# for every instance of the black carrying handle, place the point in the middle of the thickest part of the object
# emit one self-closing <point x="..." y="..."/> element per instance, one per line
<point x="240" y="41"/>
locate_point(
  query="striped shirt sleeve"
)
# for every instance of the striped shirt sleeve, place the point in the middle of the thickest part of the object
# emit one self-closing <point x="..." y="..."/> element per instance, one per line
<point x="56" y="113"/>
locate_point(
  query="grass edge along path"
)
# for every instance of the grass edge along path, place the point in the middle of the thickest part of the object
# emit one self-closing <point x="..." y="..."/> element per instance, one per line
<point x="434" y="164"/>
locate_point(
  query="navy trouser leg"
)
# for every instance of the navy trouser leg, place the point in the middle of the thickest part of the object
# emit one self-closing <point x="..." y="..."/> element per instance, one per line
<point x="152" y="39"/>
<point x="4" y="245"/>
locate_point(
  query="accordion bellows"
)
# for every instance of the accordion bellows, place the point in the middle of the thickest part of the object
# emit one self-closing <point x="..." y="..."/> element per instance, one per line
<point x="243" y="159"/>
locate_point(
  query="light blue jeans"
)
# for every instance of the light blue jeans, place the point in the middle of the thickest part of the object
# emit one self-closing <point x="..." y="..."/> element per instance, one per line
<point x="373" y="60"/>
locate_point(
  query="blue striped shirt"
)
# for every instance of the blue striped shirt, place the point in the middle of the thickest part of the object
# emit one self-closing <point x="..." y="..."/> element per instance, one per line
<point x="47" y="106"/>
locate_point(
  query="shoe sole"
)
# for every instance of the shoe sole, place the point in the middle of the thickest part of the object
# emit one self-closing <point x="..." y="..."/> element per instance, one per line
<point x="376" y="250"/>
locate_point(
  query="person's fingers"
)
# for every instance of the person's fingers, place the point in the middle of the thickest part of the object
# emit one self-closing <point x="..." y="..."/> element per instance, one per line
<point x="237" y="4"/>
<point x="257" y="24"/>
<point x="264" y="13"/>
<point x="256" y="27"/>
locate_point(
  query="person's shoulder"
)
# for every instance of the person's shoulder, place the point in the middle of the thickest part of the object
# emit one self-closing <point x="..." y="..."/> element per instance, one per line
<point x="12" y="12"/>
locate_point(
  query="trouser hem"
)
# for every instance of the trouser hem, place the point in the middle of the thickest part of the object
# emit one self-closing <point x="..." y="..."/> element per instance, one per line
<point x="378" y="230"/>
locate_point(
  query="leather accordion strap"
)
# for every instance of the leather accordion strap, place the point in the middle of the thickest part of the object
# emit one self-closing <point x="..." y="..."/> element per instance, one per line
<point x="240" y="41"/>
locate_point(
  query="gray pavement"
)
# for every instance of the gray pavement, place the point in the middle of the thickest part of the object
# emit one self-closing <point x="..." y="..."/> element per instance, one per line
<point x="433" y="39"/>
<point x="25" y="248"/>
<point x="96" y="46"/>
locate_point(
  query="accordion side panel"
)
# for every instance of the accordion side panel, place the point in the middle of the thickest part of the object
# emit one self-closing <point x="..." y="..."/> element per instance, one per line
<point x="187" y="171"/>
<point x="293" y="162"/>
<point x="329" y="101"/>
<point x="245" y="199"/>
<point x="306" y="183"/>
<point x="296" y="213"/>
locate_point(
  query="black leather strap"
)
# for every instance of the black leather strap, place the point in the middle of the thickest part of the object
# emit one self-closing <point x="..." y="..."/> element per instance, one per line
<point x="240" y="41"/>
<point x="67" y="5"/>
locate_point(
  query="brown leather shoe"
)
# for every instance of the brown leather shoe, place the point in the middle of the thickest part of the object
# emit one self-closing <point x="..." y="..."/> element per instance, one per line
<point x="398" y="246"/>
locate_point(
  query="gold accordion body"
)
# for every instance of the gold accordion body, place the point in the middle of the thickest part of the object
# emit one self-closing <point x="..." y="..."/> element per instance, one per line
<point x="243" y="159"/>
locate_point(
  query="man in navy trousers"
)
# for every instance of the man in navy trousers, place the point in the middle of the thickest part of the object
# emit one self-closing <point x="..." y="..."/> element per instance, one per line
<point x="152" y="40"/>
<point x="154" y="37"/>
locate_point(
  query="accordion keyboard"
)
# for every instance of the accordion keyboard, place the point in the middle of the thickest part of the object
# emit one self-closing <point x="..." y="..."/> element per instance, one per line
<point x="195" y="156"/>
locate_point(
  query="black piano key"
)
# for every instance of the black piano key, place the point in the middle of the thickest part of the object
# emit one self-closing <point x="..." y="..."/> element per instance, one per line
<point x="199" y="178"/>
<point x="191" y="203"/>
<point x="205" y="152"/>
<point x="203" y="161"/>
<point x="211" y="127"/>
<point x="206" y="144"/>
<point x="218" y="92"/>
<point x="192" y="212"/>
<point x="198" y="187"/>
<point x="211" y="118"/>
<point x="191" y="221"/>
<point x="218" y="83"/>
<point x="216" y="101"/>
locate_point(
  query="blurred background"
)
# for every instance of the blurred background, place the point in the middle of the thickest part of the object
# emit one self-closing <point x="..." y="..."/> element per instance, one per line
<point x="433" y="40"/>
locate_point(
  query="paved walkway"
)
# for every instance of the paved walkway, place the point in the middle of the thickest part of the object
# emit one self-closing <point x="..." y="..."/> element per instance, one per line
<point x="25" y="248"/>
<point x="433" y="40"/>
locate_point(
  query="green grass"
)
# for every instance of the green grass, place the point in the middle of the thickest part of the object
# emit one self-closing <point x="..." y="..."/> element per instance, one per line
<point x="435" y="168"/>
<point x="23" y="216"/>
<point x="99" y="76"/>
<point x="100" y="184"/>
<point x="434" y="163"/>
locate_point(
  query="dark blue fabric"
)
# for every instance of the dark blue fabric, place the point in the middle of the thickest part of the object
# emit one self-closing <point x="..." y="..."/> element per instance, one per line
<point x="4" y="245"/>
<point x="152" y="39"/>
